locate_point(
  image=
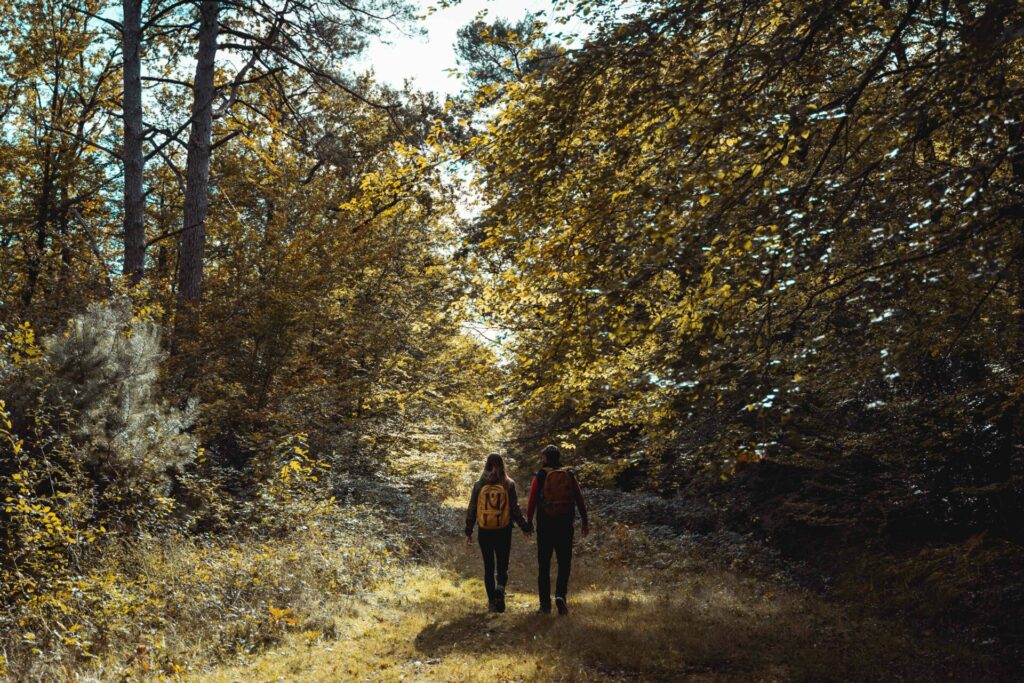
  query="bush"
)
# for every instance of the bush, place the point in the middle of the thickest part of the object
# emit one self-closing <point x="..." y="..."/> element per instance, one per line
<point x="87" y="447"/>
<point x="105" y="371"/>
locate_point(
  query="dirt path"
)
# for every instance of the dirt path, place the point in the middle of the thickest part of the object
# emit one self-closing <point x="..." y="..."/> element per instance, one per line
<point x="640" y="612"/>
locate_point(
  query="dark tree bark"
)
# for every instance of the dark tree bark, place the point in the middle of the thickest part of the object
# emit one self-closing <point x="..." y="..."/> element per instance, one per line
<point x="197" y="168"/>
<point x="132" y="157"/>
<point x="36" y="249"/>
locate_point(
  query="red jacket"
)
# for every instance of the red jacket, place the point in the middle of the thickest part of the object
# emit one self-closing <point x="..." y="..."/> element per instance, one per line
<point x="531" y="505"/>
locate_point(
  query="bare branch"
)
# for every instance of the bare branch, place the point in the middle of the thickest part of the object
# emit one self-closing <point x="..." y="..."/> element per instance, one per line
<point x="116" y="25"/>
<point x="171" y="81"/>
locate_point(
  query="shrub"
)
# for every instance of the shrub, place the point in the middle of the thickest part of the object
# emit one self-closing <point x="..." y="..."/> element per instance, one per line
<point x="105" y="370"/>
<point x="86" y="445"/>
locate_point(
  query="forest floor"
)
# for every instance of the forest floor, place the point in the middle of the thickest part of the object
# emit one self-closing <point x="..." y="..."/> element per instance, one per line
<point x="642" y="609"/>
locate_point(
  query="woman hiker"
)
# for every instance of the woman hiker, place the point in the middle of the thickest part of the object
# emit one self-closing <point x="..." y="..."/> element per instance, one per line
<point x="493" y="508"/>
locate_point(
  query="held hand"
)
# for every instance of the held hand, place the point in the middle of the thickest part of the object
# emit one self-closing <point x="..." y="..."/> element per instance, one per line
<point x="586" y="530"/>
<point x="469" y="538"/>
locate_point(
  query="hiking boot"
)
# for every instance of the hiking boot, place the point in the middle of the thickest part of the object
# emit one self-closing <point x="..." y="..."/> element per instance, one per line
<point x="563" y="609"/>
<point x="499" y="600"/>
<point x="544" y="609"/>
<point x="492" y="606"/>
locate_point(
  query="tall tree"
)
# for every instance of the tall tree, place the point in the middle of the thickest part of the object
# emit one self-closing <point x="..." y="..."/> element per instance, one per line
<point x="274" y="39"/>
<point x="197" y="164"/>
<point x="133" y="161"/>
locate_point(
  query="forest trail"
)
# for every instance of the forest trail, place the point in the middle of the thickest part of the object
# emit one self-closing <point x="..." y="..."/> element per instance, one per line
<point x="640" y="611"/>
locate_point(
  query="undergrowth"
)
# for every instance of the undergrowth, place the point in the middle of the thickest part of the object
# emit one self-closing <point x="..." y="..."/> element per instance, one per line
<point x="127" y="551"/>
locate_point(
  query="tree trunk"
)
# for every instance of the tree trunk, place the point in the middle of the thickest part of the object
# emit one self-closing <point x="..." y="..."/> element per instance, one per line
<point x="34" y="251"/>
<point x="1016" y="144"/>
<point x="134" y="199"/>
<point x="197" y="172"/>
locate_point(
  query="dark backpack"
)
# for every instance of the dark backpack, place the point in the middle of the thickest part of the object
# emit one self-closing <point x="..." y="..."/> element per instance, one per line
<point x="557" y="492"/>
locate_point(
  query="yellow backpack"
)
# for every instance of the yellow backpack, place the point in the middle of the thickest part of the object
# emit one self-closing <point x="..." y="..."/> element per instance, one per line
<point x="492" y="510"/>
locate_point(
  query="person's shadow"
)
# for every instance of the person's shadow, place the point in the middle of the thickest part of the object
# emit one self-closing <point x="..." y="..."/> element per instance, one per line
<point x="482" y="632"/>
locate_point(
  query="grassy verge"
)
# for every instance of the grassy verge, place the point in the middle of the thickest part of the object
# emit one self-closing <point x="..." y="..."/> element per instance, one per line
<point x="382" y="588"/>
<point x="159" y="607"/>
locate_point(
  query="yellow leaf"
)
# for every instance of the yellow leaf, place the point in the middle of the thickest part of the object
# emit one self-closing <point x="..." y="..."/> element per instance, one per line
<point x="278" y="614"/>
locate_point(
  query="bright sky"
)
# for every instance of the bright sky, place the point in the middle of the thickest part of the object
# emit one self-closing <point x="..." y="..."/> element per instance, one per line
<point x="424" y="58"/>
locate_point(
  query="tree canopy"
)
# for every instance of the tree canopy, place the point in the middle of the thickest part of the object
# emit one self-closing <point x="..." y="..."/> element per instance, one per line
<point x="716" y="230"/>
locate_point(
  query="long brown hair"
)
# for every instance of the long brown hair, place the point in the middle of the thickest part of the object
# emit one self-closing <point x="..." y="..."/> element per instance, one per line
<point x="494" y="470"/>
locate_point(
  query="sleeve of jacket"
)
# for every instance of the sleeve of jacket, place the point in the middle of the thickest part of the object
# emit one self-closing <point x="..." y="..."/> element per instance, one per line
<point x="471" y="510"/>
<point x="513" y="505"/>
<point x="580" y="503"/>
<point x="531" y="503"/>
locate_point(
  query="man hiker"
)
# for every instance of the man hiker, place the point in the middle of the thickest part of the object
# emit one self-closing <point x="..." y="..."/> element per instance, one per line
<point x="493" y="508"/>
<point x="555" y="496"/>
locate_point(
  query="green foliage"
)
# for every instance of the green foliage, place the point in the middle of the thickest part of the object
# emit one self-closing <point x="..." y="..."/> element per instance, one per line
<point x="88" y="447"/>
<point x="335" y="310"/>
<point x="718" y="233"/>
<point x="56" y="86"/>
<point x="502" y="51"/>
<point x="45" y="517"/>
<point x="104" y="369"/>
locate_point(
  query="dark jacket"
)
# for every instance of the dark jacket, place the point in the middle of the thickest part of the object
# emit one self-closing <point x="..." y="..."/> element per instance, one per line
<point x="513" y="504"/>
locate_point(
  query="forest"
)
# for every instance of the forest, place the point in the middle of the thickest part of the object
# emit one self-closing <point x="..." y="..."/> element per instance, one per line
<point x="755" y="267"/>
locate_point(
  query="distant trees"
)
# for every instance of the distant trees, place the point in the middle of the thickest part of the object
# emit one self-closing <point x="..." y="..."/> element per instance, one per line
<point x="503" y="51"/>
<point x="55" y="87"/>
<point x="273" y="40"/>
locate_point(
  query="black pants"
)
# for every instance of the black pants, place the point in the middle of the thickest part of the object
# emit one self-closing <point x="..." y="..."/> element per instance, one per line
<point x="555" y="538"/>
<point x="495" y="545"/>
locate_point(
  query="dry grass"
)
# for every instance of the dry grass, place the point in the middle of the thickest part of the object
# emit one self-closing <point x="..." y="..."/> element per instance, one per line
<point x="685" y="621"/>
<point x="158" y="608"/>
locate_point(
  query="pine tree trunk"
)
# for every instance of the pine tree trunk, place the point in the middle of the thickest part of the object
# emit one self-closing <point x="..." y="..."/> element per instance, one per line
<point x="197" y="171"/>
<point x="134" y="199"/>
